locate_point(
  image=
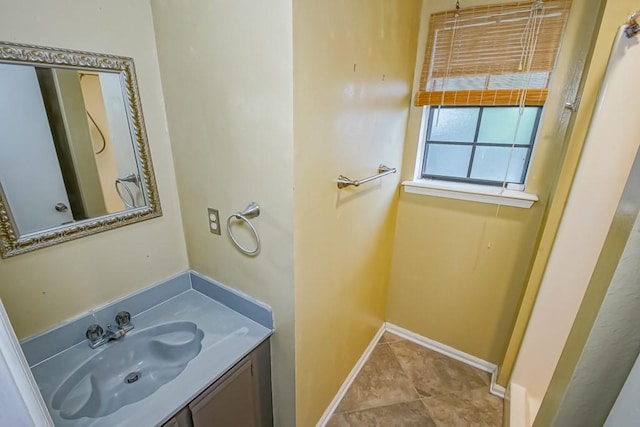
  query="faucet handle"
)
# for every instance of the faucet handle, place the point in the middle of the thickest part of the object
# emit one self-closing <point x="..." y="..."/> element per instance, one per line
<point x="123" y="318"/>
<point x="94" y="332"/>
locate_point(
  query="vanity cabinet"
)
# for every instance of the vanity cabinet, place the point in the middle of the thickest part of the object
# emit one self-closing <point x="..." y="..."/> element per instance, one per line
<point x="241" y="397"/>
<point x="181" y="419"/>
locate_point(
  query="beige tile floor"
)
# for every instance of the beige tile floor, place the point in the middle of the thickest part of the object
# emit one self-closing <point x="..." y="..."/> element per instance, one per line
<point x="404" y="384"/>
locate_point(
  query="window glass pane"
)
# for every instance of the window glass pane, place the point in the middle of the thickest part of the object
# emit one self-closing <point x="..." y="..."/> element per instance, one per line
<point x="447" y="160"/>
<point x="458" y="83"/>
<point x="518" y="80"/>
<point x="499" y="125"/>
<point x="453" y="124"/>
<point x="490" y="163"/>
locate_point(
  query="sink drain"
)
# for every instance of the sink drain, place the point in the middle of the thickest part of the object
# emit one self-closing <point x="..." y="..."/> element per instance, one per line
<point x="132" y="378"/>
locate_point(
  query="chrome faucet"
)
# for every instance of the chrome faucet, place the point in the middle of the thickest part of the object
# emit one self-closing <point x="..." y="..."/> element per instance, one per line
<point x="98" y="336"/>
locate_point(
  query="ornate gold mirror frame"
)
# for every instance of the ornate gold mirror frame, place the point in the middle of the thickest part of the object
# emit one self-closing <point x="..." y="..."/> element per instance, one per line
<point x="12" y="242"/>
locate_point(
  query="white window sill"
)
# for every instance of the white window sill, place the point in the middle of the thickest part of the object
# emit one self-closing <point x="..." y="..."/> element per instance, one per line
<point x="471" y="192"/>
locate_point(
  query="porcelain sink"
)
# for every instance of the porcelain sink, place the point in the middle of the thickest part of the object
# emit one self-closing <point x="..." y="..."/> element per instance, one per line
<point x="128" y="370"/>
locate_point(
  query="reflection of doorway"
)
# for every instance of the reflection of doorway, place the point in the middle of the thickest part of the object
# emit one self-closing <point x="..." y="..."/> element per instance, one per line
<point x="101" y="139"/>
<point x="30" y="174"/>
<point x="65" y="108"/>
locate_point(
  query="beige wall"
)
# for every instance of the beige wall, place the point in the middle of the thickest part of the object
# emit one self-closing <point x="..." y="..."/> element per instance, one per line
<point x="603" y="343"/>
<point x="353" y="68"/>
<point x="459" y="267"/>
<point x="594" y="69"/>
<point x="227" y="78"/>
<point x="42" y="288"/>
<point x="590" y="207"/>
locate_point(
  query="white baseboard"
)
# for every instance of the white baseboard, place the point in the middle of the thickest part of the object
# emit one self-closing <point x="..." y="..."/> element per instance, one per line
<point x="495" y="388"/>
<point x="350" y="378"/>
<point x="453" y="353"/>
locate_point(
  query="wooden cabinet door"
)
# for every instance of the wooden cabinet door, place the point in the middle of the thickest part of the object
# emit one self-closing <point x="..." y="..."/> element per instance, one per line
<point x="231" y="402"/>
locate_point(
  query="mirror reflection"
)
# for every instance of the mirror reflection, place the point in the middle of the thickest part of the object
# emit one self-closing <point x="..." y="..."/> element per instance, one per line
<point x="74" y="155"/>
<point x="67" y="153"/>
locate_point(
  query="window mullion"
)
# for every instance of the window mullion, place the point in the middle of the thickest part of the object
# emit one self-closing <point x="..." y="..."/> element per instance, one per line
<point x="475" y="142"/>
<point x="525" y="169"/>
<point x="426" y="143"/>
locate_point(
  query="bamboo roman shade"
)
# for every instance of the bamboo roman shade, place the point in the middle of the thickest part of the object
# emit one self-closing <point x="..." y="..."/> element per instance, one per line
<point x="492" y="55"/>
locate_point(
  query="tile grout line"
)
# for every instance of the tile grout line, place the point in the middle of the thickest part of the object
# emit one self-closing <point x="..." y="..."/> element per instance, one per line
<point x="451" y="353"/>
<point x="424" y="400"/>
<point x="348" y="382"/>
<point x="437" y="356"/>
<point x="379" y="342"/>
<point x="405" y="371"/>
<point x="476" y="371"/>
<point x="380" y="406"/>
<point x="385" y="405"/>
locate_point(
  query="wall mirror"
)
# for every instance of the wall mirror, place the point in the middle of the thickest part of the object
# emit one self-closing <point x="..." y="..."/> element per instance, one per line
<point x="74" y="155"/>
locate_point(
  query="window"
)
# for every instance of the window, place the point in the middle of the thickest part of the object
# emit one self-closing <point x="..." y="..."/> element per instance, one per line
<point x="485" y="145"/>
<point x="484" y="82"/>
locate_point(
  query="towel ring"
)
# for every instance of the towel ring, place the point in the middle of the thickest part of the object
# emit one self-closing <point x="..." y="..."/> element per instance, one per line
<point x="250" y="211"/>
<point x="128" y="190"/>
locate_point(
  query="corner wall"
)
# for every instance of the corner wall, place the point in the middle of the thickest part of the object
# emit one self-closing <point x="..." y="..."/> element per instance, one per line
<point x="595" y="192"/>
<point x="604" y="341"/>
<point x="459" y="267"/>
<point x="353" y="68"/>
<point x="45" y="287"/>
<point x="227" y="77"/>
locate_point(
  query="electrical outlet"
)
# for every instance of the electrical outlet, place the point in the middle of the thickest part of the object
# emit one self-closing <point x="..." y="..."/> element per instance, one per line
<point x="214" y="221"/>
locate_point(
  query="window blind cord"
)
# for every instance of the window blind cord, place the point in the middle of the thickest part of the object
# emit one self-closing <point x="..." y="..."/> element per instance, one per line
<point x="530" y="34"/>
<point x="529" y="42"/>
<point x="456" y="15"/>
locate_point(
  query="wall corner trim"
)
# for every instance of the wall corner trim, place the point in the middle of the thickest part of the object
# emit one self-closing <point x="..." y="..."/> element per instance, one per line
<point x="495" y="388"/>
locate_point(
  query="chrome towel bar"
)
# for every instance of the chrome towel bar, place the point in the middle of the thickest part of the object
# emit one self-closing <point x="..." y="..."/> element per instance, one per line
<point x="383" y="170"/>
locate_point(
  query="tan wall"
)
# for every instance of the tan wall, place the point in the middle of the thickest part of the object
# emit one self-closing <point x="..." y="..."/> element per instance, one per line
<point x="459" y="267"/>
<point x="42" y="288"/>
<point x="227" y="79"/>
<point x="353" y="68"/>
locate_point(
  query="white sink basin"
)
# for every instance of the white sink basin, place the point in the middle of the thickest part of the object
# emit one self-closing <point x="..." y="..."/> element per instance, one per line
<point x="127" y="370"/>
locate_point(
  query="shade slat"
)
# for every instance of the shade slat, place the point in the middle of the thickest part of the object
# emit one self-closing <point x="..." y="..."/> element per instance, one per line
<point x="486" y="41"/>
<point x="497" y="97"/>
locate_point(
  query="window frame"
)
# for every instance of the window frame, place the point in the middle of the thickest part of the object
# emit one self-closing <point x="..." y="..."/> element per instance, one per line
<point x="427" y="120"/>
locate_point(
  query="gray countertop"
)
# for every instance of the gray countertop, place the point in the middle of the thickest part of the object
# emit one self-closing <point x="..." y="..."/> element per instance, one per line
<point x="228" y="337"/>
